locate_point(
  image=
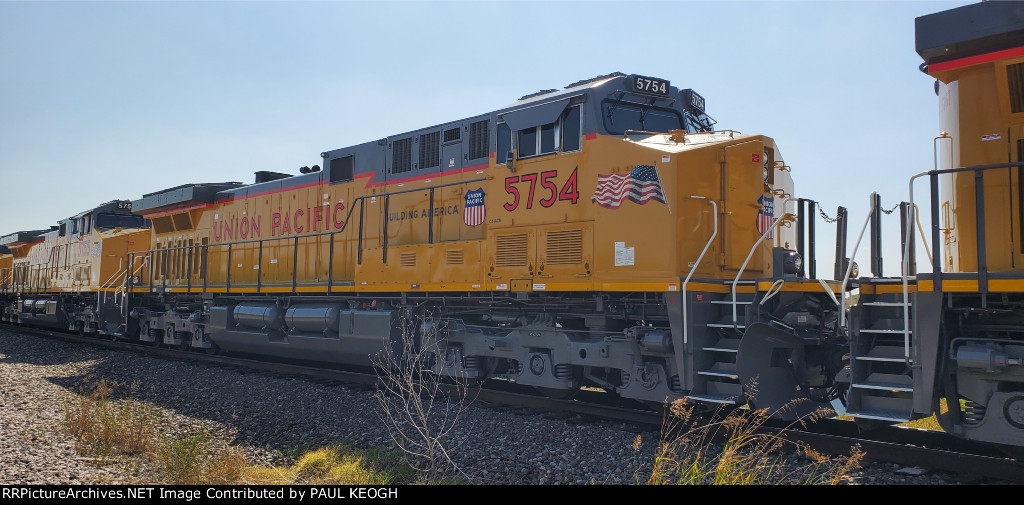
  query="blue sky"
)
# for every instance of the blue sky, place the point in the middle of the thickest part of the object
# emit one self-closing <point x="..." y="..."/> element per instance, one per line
<point x="111" y="100"/>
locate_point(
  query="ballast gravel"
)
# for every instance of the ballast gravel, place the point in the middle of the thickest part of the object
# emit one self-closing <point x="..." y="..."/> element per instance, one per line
<point x="267" y="415"/>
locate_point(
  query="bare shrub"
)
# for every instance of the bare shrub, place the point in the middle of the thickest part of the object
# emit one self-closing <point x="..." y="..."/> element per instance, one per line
<point x="419" y="404"/>
<point x="105" y="427"/>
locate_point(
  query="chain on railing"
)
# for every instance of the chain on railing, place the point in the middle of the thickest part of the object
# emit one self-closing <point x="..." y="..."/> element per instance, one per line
<point x="890" y="211"/>
<point x="829" y="220"/>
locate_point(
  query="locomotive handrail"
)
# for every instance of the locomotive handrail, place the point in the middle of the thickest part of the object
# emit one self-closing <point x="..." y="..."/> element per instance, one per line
<point x="106" y="287"/>
<point x="750" y="255"/>
<point x="714" y="233"/>
<point x="936" y="256"/>
<point x="296" y="238"/>
<point x="126" y="285"/>
<point x="849" y="266"/>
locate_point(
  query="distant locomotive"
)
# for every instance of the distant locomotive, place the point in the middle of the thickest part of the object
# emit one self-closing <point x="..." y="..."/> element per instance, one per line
<point x="56" y="277"/>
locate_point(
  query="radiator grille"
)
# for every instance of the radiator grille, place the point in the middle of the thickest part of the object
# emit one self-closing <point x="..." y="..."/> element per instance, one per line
<point x="401" y="160"/>
<point x="478" y="140"/>
<point x="455" y="257"/>
<point x="565" y="247"/>
<point x="407" y="259"/>
<point x="1015" y="84"/>
<point x="510" y="250"/>
<point x="452" y="134"/>
<point x="430" y="150"/>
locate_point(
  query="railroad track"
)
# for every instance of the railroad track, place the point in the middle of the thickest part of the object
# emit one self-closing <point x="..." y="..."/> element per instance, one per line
<point x="925" y="449"/>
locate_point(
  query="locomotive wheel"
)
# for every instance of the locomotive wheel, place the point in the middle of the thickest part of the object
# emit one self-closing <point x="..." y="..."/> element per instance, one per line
<point x="213" y="349"/>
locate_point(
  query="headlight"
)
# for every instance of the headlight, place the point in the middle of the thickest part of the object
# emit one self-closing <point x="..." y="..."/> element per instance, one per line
<point x="792" y="263"/>
<point x="854" y="272"/>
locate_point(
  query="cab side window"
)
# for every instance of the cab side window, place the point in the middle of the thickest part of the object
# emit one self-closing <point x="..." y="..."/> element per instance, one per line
<point x="563" y="135"/>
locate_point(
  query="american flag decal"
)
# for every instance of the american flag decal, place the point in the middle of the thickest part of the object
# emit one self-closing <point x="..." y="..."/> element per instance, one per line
<point x="640" y="186"/>
<point x="766" y="216"/>
<point x="473" y="212"/>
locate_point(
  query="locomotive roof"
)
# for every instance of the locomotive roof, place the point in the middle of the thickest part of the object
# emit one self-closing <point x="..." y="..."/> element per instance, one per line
<point x="112" y="205"/>
<point x="181" y="195"/>
<point x="23" y="237"/>
<point x="970" y="30"/>
<point x="536" y="108"/>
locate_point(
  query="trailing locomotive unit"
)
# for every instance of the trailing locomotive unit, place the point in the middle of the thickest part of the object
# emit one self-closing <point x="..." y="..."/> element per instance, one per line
<point x="583" y="236"/>
<point x="65" y="277"/>
<point x="966" y="316"/>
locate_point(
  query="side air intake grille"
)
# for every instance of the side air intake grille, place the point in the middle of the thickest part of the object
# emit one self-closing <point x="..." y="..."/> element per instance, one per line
<point x="478" y="140"/>
<point x="407" y="259"/>
<point x="163" y="224"/>
<point x="1015" y="83"/>
<point x="511" y="250"/>
<point x="565" y="247"/>
<point x="452" y="134"/>
<point x="455" y="257"/>
<point x="430" y="150"/>
<point x="182" y="221"/>
<point x="401" y="160"/>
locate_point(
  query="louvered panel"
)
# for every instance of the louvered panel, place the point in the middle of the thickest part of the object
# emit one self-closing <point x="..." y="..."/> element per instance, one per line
<point x="430" y="150"/>
<point x="407" y="259"/>
<point x="1015" y="84"/>
<point x="510" y="250"/>
<point x="401" y="160"/>
<point x="452" y="134"/>
<point x="478" y="140"/>
<point x="455" y="257"/>
<point x="565" y="247"/>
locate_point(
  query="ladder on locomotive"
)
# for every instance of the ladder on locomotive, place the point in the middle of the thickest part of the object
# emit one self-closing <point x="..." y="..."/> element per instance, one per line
<point x="881" y="369"/>
<point x="881" y="363"/>
<point x="716" y="349"/>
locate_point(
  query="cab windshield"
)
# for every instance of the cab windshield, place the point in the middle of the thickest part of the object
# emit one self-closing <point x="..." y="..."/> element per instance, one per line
<point x="622" y="116"/>
<point x="118" y="221"/>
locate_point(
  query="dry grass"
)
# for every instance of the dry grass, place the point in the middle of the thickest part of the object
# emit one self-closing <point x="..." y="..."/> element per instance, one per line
<point x="336" y="465"/>
<point x="731" y="451"/>
<point x="105" y="427"/>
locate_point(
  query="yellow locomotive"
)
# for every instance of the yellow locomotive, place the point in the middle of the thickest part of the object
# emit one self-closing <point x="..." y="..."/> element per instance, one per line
<point x="58" y="277"/>
<point x="602" y="234"/>
<point x="954" y="333"/>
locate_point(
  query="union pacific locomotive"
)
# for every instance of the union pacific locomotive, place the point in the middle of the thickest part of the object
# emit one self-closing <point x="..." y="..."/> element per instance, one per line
<point x="599" y="235"/>
<point x="954" y="333"/>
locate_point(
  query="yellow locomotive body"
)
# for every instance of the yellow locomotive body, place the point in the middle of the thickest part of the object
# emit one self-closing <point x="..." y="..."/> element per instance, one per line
<point x="61" y="273"/>
<point x="548" y="231"/>
<point x="952" y="331"/>
<point x="542" y="230"/>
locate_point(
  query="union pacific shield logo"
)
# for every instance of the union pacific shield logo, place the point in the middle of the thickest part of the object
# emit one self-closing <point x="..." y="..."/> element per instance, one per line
<point x="766" y="216"/>
<point x="473" y="212"/>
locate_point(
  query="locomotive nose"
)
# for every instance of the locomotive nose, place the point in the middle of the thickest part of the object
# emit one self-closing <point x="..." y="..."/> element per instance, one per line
<point x="770" y="365"/>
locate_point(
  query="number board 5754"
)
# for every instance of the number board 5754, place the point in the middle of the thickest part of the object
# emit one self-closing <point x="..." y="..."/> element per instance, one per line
<point x="550" y="191"/>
